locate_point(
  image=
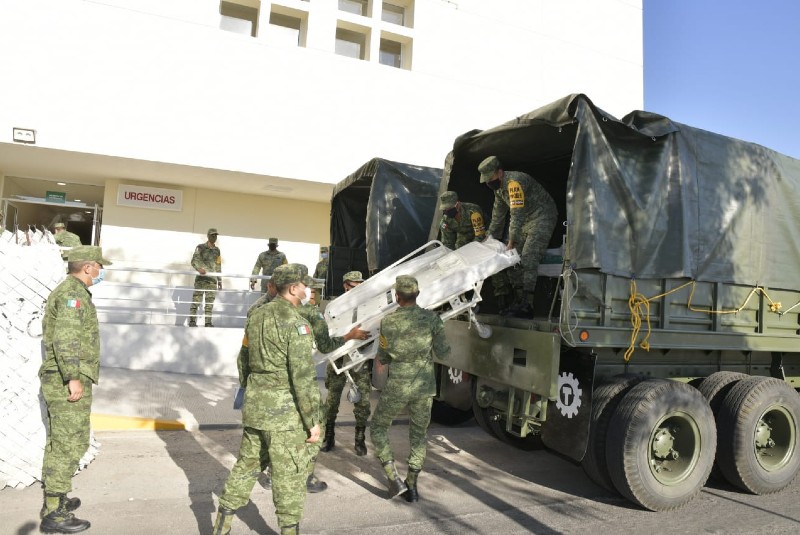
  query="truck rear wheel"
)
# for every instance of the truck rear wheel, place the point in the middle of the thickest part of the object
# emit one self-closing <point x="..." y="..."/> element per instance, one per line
<point x="717" y="385"/>
<point x="661" y="444"/>
<point x="604" y="403"/>
<point x="758" y="434"/>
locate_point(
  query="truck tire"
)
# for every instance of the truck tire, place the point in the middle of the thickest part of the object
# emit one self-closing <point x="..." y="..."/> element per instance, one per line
<point x="717" y="385"/>
<point x="529" y="443"/>
<point x="604" y="403"/>
<point x="758" y="435"/>
<point x="661" y="444"/>
<point x="482" y="415"/>
<point x="444" y="414"/>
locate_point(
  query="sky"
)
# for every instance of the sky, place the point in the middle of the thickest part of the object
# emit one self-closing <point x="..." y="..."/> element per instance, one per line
<point x="728" y="66"/>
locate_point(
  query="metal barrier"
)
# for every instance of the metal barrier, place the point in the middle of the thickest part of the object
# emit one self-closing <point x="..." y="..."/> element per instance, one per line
<point x="164" y="297"/>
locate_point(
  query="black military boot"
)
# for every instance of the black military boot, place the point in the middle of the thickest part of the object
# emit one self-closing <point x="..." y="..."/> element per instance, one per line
<point x="329" y="439"/>
<point x="314" y="484"/>
<point x="192" y="321"/>
<point x="294" y="529"/>
<point x="396" y="485"/>
<point x="70" y="504"/>
<point x="360" y="447"/>
<point x="59" y="520"/>
<point x="411" y="482"/>
<point x="222" y="524"/>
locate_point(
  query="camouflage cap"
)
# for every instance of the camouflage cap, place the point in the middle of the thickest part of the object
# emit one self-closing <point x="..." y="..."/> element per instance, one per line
<point x="273" y="240"/>
<point x="323" y="249"/>
<point x="448" y="199"/>
<point x="406" y="284"/>
<point x="308" y="281"/>
<point x="87" y="252"/>
<point x="212" y="231"/>
<point x="59" y="225"/>
<point x="487" y="167"/>
<point x="287" y="274"/>
<point x="353" y="276"/>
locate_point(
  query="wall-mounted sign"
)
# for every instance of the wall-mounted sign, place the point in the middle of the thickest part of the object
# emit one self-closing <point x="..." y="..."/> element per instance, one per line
<point x="24" y="135"/>
<point x="56" y="196"/>
<point x="155" y="198"/>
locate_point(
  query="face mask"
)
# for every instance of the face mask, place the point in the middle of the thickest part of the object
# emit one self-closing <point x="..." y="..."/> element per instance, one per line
<point x="324" y="255"/>
<point x="100" y="276"/>
<point x="307" y="298"/>
<point x="450" y="212"/>
<point x="494" y="184"/>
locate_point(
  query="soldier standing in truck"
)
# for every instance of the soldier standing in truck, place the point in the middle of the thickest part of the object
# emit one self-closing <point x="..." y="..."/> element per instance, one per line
<point x="533" y="215"/>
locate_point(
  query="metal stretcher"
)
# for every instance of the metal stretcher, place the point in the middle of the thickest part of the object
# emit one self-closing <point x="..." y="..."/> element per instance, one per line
<point x="445" y="277"/>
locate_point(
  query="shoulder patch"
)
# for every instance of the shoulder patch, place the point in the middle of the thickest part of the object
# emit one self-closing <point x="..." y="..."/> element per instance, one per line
<point x="477" y="224"/>
<point x="245" y="341"/>
<point x="384" y="343"/>
<point x="516" y="197"/>
<point x="303" y="329"/>
<point x="73" y="303"/>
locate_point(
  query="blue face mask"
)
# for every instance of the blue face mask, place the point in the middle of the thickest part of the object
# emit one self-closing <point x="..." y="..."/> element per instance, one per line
<point x="324" y="255"/>
<point x="100" y="276"/>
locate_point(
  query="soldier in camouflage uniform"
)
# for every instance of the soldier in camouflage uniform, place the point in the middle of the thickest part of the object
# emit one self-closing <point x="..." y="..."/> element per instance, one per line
<point x="462" y="223"/>
<point x="334" y="383"/>
<point x="321" y="271"/>
<point x="71" y="366"/>
<point x="65" y="238"/>
<point x="206" y="258"/>
<point x="533" y="215"/>
<point x="266" y="263"/>
<point x="281" y="413"/>
<point x="408" y="339"/>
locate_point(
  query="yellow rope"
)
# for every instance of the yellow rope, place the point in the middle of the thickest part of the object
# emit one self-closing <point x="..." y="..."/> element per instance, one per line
<point x="637" y="302"/>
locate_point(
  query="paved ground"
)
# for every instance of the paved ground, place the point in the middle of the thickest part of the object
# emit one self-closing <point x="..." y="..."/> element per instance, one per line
<point x="168" y="481"/>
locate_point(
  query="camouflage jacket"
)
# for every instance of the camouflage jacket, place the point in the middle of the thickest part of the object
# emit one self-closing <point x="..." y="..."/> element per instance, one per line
<point x="282" y="392"/>
<point x="322" y="338"/>
<point x="67" y="239"/>
<point x="409" y="337"/>
<point x="243" y="361"/>
<point x="468" y="225"/>
<point x="207" y="257"/>
<point x="71" y="332"/>
<point x="268" y="261"/>
<point x="527" y="201"/>
<point x="322" y="269"/>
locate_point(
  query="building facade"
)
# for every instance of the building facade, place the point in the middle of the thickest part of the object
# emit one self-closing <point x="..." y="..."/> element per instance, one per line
<point x="248" y="112"/>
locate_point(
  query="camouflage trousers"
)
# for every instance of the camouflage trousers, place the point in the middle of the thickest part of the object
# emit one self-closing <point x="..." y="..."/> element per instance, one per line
<point x="419" y="414"/>
<point x="334" y="383"/>
<point x="536" y="235"/>
<point x="203" y="286"/>
<point x="289" y="455"/>
<point x="68" y="432"/>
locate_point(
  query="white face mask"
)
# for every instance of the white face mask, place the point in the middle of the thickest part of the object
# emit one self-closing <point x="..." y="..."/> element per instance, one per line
<point x="307" y="298"/>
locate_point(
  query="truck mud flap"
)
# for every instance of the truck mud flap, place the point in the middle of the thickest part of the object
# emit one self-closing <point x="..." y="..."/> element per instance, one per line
<point x="566" y="428"/>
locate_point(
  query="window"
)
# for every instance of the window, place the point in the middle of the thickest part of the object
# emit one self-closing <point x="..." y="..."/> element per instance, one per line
<point x="351" y="44"/>
<point x="393" y="14"/>
<point x="391" y="53"/>
<point x="238" y="18"/>
<point x="357" y="7"/>
<point x="285" y="30"/>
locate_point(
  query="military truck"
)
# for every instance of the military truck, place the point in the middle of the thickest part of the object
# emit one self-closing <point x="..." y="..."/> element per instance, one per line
<point x="668" y="345"/>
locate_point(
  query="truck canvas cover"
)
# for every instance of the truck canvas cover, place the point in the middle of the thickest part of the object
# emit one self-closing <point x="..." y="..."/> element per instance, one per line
<point x="384" y="209"/>
<point x="647" y="197"/>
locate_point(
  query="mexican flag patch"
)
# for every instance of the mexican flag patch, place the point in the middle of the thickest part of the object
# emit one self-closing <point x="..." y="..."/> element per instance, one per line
<point x="73" y="303"/>
<point x="303" y="329"/>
